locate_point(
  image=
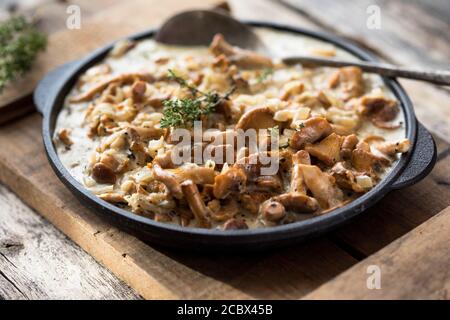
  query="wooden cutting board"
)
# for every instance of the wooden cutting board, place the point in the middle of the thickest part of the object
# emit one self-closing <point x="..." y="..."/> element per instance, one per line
<point x="416" y="266"/>
<point x="284" y="273"/>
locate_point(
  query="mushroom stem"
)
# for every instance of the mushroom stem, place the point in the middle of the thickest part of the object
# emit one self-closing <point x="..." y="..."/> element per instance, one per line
<point x="297" y="201"/>
<point x="127" y="77"/>
<point x="241" y="57"/>
<point x="313" y="129"/>
<point x="297" y="182"/>
<point x="169" y="181"/>
<point x="231" y="180"/>
<point x="198" y="207"/>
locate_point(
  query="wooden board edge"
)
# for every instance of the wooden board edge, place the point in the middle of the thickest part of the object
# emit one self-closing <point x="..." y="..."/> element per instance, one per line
<point x="414" y="266"/>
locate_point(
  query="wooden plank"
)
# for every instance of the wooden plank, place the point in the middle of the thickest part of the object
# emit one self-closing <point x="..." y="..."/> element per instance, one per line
<point x="264" y="11"/>
<point x="416" y="266"/>
<point x="38" y="262"/>
<point x="432" y="107"/>
<point x="105" y="26"/>
<point x="53" y="15"/>
<point x="408" y="29"/>
<point x="287" y="273"/>
<point x="293" y="272"/>
<point x="49" y="16"/>
<point x="154" y="272"/>
<point x="8" y="289"/>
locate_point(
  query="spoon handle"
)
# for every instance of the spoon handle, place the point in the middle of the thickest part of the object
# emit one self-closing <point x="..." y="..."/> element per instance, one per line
<point x="439" y="77"/>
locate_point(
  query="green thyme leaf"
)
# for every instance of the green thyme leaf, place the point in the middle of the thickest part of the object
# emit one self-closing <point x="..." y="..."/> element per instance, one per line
<point x="183" y="112"/>
<point x="183" y="83"/>
<point x="274" y="131"/>
<point x="264" y="75"/>
<point x="20" y="42"/>
<point x="180" y="112"/>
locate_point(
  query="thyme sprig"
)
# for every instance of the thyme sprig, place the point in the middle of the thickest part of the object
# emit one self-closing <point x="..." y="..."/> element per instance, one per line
<point x="274" y="131"/>
<point x="266" y="73"/>
<point x="184" y="112"/>
<point x="183" y="83"/>
<point x="20" y="42"/>
<point x="181" y="112"/>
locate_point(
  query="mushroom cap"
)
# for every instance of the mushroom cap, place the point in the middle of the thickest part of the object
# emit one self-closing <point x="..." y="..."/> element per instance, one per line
<point x="257" y="118"/>
<point x="272" y="211"/>
<point x="103" y="174"/>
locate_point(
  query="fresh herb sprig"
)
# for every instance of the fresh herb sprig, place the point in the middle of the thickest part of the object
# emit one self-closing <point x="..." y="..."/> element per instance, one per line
<point x="183" y="83"/>
<point x="283" y="141"/>
<point x="181" y="112"/>
<point x="274" y="131"/>
<point x="266" y="73"/>
<point x="184" y="112"/>
<point x="20" y="42"/>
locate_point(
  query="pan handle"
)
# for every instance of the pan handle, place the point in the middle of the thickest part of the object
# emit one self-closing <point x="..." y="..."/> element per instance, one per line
<point x="48" y="85"/>
<point x="422" y="160"/>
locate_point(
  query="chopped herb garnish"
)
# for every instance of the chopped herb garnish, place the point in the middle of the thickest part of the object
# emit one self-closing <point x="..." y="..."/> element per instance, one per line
<point x="284" y="145"/>
<point x="183" y="83"/>
<point x="274" y="131"/>
<point x="264" y="75"/>
<point x="20" y="43"/>
<point x="183" y="112"/>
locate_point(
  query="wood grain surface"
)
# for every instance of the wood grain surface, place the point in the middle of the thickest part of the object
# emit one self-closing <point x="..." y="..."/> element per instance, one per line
<point x="416" y="266"/>
<point x="410" y="32"/>
<point x="49" y="17"/>
<point x="39" y="262"/>
<point x="293" y="272"/>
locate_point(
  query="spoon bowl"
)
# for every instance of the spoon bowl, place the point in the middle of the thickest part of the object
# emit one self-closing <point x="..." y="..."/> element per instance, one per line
<point x="198" y="27"/>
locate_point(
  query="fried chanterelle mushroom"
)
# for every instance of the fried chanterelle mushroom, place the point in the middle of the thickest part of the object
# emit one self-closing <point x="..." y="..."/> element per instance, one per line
<point x="331" y="135"/>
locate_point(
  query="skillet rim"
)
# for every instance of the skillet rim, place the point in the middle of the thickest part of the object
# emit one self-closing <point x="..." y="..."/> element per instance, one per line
<point x="261" y="236"/>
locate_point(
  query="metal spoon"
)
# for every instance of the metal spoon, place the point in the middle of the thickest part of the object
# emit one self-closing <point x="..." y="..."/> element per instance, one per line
<point x="198" y="27"/>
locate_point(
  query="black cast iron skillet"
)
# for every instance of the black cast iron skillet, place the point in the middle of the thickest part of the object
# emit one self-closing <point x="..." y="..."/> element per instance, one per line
<point x="412" y="167"/>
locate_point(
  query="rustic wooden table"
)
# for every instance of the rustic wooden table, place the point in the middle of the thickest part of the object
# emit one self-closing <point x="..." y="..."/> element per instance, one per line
<point x="406" y="235"/>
